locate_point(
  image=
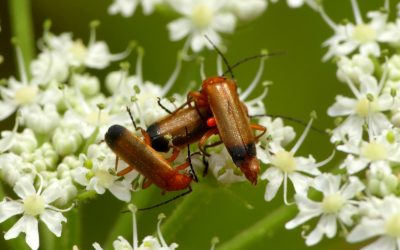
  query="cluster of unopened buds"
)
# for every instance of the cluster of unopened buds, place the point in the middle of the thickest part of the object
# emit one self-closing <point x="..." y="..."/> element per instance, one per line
<point x="65" y="146"/>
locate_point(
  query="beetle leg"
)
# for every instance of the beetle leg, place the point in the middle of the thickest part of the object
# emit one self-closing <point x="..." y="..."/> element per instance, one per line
<point x="182" y="166"/>
<point x="175" y="153"/>
<point x="146" y="136"/>
<point x="125" y="170"/>
<point x="205" y="137"/>
<point x="198" y="98"/>
<point x="259" y="128"/>
<point x="146" y="183"/>
<point x="116" y="162"/>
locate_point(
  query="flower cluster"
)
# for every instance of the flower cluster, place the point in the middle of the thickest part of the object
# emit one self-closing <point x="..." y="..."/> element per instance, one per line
<point x="362" y="198"/>
<point x="197" y="18"/>
<point x="149" y="242"/>
<point x="61" y="116"/>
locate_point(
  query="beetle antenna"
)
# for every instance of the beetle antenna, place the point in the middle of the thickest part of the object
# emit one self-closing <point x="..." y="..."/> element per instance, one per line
<point x="167" y="201"/>
<point x="298" y="121"/>
<point x="162" y="106"/>
<point x="222" y="55"/>
<point x="272" y="54"/>
<point x="131" y="116"/>
<point x="192" y="172"/>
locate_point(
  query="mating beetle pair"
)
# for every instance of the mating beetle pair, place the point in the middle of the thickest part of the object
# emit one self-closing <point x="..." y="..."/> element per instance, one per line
<point x="215" y="109"/>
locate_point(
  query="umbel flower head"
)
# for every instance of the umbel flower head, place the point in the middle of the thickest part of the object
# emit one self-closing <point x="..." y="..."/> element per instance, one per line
<point x="33" y="205"/>
<point x="149" y="242"/>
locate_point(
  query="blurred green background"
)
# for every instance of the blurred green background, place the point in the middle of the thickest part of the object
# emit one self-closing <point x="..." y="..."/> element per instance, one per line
<point x="302" y="83"/>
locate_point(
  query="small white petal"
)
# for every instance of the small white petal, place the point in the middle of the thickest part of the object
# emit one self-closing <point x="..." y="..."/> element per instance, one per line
<point x="53" y="220"/>
<point x="308" y="210"/>
<point x="367" y="228"/>
<point x="327" y="183"/>
<point x="10" y="208"/>
<point x="354" y="187"/>
<point x="24" y="187"/>
<point x="300" y="182"/>
<point x="224" y="22"/>
<point x="343" y="106"/>
<point x="52" y="193"/>
<point x="121" y="191"/>
<point x="275" y="179"/>
<point x="295" y="3"/>
<point x="314" y="237"/>
<point x="28" y="225"/>
<point x="98" y="56"/>
<point x="383" y="243"/>
<point x="307" y="165"/>
<point x="355" y="165"/>
<point x="178" y="29"/>
<point x="97" y="246"/>
<point x="198" y="42"/>
<point x="329" y="225"/>
<point x="6" y="109"/>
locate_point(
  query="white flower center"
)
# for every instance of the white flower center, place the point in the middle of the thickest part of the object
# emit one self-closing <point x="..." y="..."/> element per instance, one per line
<point x="34" y="205"/>
<point x="79" y="50"/>
<point x="25" y="95"/>
<point x="332" y="203"/>
<point x="202" y="15"/>
<point x="392" y="226"/>
<point x="364" y="107"/>
<point x="105" y="178"/>
<point x="93" y="118"/>
<point x="364" y="33"/>
<point x="285" y="161"/>
<point x="374" y="151"/>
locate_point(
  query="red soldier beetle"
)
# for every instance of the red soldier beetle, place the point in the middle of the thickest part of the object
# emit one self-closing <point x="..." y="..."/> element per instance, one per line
<point x="139" y="155"/>
<point x="231" y="119"/>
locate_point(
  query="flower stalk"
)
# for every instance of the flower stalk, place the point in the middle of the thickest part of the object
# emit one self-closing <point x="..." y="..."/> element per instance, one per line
<point x="22" y="29"/>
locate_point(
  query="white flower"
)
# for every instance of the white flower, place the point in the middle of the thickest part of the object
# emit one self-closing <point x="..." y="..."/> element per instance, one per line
<point x="223" y="168"/>
<point x="99" y="177"/>
<point x="247" y="10"/>
<point x="144" y="94"/>
<point x="149" y="242"/>
<point x="95" y="55"/>
<point x="278" y="135"/>
<point x="127" y="7"/>
<point x="42" y="120"/>
<point x="33" y="205"/>
<point x="381" y="180"/>
<point x="17" y="94"/>
<point x="298" y="3"/>
<point x="284" y="165"/>
<point x="201" y="18"/>
<point x="13" y="167"/>
<point x="87" y="84"/>
<point x="66" y="140"/>
<point x="49" y="66"/>
<point x="350" y="37"/>
<point x="385" y="225"/>
<point x="379" y="150"/>
<point x="392" y="34"/>
<point x="43" y="158"/>
<point x="336" y="205"/>
<point x="354" y="68"/>
<point x="367" y="107"/>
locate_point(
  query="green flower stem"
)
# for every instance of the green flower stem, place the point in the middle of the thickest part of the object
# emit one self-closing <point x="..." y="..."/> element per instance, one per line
<point x="17" y="243"/>
<point x="258" y="231"/>
<point x="47" y="238"/>
<point x="185" y="211"/>
<point x="22" y="29"/>
<point x="123" y="224"/>
<point x="71" y="231"/>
